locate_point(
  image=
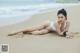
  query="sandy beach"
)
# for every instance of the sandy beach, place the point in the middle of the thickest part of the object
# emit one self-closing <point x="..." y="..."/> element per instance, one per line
<point x="48" y="43"/>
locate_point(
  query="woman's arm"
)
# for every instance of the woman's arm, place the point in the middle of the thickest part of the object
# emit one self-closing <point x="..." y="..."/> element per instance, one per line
<point x="64" y="31"/>
<point x="58" y="29"/>
<point x="67" y="26"/>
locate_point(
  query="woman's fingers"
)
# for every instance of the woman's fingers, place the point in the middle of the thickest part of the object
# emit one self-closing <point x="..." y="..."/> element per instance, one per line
<point x="70" y="35"/>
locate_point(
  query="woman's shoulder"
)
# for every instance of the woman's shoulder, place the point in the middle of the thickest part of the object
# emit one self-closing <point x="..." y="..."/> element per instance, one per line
<point x="68" y="22"/>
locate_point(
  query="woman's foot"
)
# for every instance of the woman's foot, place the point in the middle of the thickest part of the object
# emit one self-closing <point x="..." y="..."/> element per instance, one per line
<point x="24" y="32"/>
<point x="12" y="34"/>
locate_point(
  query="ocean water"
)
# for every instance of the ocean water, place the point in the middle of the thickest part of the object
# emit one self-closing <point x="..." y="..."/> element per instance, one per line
<point x="15" y="11"/>
<point x="14" y="14"/>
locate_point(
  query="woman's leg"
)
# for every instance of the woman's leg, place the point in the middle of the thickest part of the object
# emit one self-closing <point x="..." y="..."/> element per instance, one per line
<point x="39" y="27"/>
<point x="42" y="31"/>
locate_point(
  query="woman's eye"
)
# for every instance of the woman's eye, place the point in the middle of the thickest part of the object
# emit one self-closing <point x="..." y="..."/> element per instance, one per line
<point x="60" y="17"/>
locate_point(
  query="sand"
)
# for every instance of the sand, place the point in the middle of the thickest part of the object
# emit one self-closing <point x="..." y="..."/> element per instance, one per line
<point x="48" y="43"/>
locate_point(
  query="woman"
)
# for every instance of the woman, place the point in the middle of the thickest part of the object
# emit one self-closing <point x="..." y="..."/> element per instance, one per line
<point x="61" y="26"/>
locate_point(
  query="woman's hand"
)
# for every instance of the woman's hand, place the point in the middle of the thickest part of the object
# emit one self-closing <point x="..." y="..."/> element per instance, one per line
<point x="70" y="35"/>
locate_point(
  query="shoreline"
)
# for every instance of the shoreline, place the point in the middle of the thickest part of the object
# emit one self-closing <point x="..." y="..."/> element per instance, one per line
<point x="17" y="19"/>
<point x="48" y="43"/>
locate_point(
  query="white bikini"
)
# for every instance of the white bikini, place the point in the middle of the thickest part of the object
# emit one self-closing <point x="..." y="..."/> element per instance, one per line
<point x="53" y="25"/>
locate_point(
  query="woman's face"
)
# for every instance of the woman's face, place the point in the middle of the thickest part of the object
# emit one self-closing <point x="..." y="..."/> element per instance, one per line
<point x="61" y="18"/>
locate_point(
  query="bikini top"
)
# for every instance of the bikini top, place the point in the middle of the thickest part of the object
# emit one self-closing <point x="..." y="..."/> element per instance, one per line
<point x="53" y="25"/>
